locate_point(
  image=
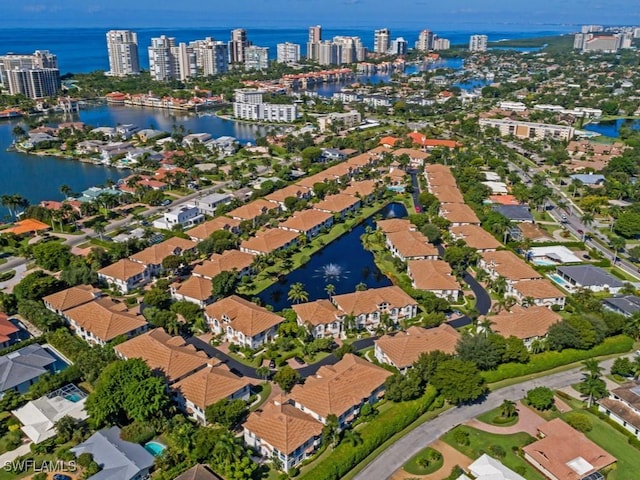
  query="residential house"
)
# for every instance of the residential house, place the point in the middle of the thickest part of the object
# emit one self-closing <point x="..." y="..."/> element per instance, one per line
<point x="339" y="204"/>
<point x="589" y="179"/>
<point x="183" y="216"/>
<point x="506" y="264"/>
<point x="363" y="189"/>
<point x="39" y="417"/>
<point x="195" y="289"/>
<point x="539" y="292"/>
<point x="204" y="230"/>
<point x="268" y="241"/>
<point x="102" y="320"/>
<point x="254" y="212"/>
<point x="623" y="406"/>
<point x="208" y="386"/>
<point x="280" y="431"/>
<point x="332" y="154"/>
<point x="227" y="261"/>
<point x="625" y="305"/>
<point x="152" y="257"/>
<point x="488" y="468"/>
<point x="198" y="472"/>
<point x="515" y="213"/>
<point x="166" y="355"/>
<point x="459" y="214"/>
<point x="117" y="458"/>
<point x="475" y="237"/>
<point x="340" y="389"/>
<point x="447" y="194"/>
<point x="368" y="306"/>
<point x="417" y="158"/>
<point x="63" y="300"/>
<point x="592" y="278"/>
<point x="9" y="333"/>
<point x="242" y="322"/>
<point x="434" y="276"/>
<point x="527" y="324"/>
<point x="551" y="255"/>
<point x="125" y="275"/>
<point x="23" y="367"/>
<point x="291" y="191"/>
<point x="322" y="318"/>
<point x="439" y="175"/>
<point x="308" y="222"/>
<point x="403" y="349"/>
<point x="563" y="453"/>
<point x="392" y="225"/>
<point x="431" y="143"/>
<point x="410" y="245"/>
<point x="208" y="204"/>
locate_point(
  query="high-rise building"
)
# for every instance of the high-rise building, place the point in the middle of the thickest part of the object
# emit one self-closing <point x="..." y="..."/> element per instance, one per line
<point x="168" y="61"/>
<point x="425" y="41"/>
<point x="329" y="53"/>
<point x="186" y="61"/>
<point x="441" y="43"/>
<point x="12" y="61"/>
<point x="256" y="58"/>
<point x="313" y="44"/>
<point x="601" y="42"/>
<point x="34" y="82"/>
<point x="212" y="57"/>
<point x="478" y="43"/>
<point x="122" y="48"/>
<point x="381" y="40"/>
<point x="249" y="105"/>
<point x="591" y="28"/>
<point x="237" y="45"/>
<point x="288" y="52"/>
<point x="351" y="49"/>
<point x="398" y="47"/>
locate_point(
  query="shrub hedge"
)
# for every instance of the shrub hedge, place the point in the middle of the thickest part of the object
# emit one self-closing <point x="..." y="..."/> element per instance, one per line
<point x="386" y="424"/>
<point x="548" y="360"/>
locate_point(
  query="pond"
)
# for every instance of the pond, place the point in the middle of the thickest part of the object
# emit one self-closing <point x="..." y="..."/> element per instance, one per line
<point x="611" y="128"/>
<point x="343" y="263"/>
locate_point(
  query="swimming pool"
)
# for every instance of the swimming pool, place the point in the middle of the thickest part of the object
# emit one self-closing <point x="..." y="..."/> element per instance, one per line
<point x="396" y="188"/>
<point x="154" y="448"/>
<point x="560" y="281"/>
<point x="542" y="262"/>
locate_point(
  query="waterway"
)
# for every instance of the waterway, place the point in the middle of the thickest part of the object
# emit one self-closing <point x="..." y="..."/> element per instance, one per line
<point x="343" y="263"/>
<point x="611" y="128"/>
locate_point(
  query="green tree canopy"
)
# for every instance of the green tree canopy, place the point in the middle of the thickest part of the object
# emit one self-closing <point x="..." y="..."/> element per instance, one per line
<point x="459" y="381"/>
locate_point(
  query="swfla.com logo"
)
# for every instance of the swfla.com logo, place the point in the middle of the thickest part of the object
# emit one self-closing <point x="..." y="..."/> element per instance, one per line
<point x="18" y="466"/>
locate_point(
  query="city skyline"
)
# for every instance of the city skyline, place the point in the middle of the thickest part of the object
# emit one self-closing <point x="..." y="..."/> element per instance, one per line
<point x="334" y="13"/>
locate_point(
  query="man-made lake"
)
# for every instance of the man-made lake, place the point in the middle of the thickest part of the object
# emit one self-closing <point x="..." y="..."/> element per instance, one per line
<point x="343" y="263"/>
<point x="611" y="128"/>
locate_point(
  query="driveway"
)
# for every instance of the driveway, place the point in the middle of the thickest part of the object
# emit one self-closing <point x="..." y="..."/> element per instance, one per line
<point x="450" y="456"/>
<point x="528" y="421"/>
<point x="8" y="457"/>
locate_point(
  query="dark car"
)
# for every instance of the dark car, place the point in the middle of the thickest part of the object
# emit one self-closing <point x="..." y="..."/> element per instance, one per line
<point x="580" y="232"/>
<point x="586" y="256"/>
<point x="298" y="360"/>
<point x="272" y="363"/>
<point x="60" y="476"/>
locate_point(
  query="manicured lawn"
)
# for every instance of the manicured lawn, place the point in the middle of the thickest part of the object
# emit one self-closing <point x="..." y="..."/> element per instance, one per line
<point x="413" y="466"/>
<point x="481" y="442"/>
<point x="492" y="417"/>
<point x="264" y="394"/>
<point x="617" y="445"/>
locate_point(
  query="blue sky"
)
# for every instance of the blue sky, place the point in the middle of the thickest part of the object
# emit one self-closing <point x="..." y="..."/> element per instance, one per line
<point x="450" y="14"/>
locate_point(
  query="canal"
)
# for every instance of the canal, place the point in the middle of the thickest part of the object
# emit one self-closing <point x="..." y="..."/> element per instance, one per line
<point x="343" y="263"/>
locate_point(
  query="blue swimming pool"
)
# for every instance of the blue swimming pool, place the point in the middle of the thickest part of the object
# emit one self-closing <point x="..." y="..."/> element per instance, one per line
<point x="154" y="448"/>
<point x="560" y="281"/>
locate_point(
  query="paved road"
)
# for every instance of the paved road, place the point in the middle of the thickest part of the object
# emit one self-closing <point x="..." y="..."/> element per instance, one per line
<point x="402" y="450"/>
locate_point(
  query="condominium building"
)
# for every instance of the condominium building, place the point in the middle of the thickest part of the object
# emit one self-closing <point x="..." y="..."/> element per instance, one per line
<point x="249" y="105"/>
<point x="602" y="42"/>
<point x="288" y="52"/>
<point x="313" y="44"/>
<point x="425" y="41"/>
<point x="12" y="61"/>
<point x="329" y="53"/>
<point x="212" y="57"/>
<point x="381" y="40"/>
<point x="350" y="49"/>
<point x="34" y="82"/>
<point x="478" y="43"/>
<point x="441" y="44"/>
<point x="256" y="58"/>
<point x="238" y="45"/>
<point x="533" y="131"/>
<point x="122" y="48"/>
<point x="168" y="61"/>
<point x="398" y="46"/>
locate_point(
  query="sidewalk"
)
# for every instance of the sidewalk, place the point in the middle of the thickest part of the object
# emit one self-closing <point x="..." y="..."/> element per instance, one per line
<point x="528" y="422"/>
<point x="9" y="457"/>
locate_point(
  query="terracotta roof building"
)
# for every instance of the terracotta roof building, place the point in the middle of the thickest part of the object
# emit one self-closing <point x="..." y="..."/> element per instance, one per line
<point x="340" y="389"/>
<point x="447" y="194"/>
<point x="71" y="297"/>
<point x="198" y="472"/>
<point x="364" y="189"/>
<point x="475" y="237"/>
<point x="9" y="333"/>
<point x="459" y="214"/>
<point x="527" y="324"/>
<point x="321" y="317"/>
<point x="403" y="349"/>
<point x="153" y="256"/>
<point x="339" y="204"/>
<point x="252" y="211"/>
<point x="208" y="386"/>
<point x="242" y="322"/>
<point x="563" y="453"/>
<point x="504" y="263"/>
<point x="194" y="289"/>
<point x="101" y="320"/>
<point x="623" y="406"/>
<point x="125" y="275"/>
<point x="227" y="261"/>
<point x="281" y="430"/>
<point x="204" y="230"/>
<point x="410" y="245"/>
<point x="308" y="222"/>
<point x="434" y="276"/>
<point x="296" y="191"/>
<point x="169" y="356"/>
<point x="393" y="225"/>
<point x="538" y="292"/>
<point x="269" y="240"/>
<point x="28" y="225"/>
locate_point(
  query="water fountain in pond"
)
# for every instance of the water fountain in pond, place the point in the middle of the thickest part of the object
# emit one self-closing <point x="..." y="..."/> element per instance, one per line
<point x="392" y="212"/>
<point x="332" y="271"/>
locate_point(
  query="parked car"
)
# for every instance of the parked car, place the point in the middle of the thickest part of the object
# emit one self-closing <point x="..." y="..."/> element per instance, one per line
<point x="586" y="256"/>
<point x="60" y="476"/>
<point x="298" y="360"/>
<point x="272" y="363"/>
<point x="166" y="202"/>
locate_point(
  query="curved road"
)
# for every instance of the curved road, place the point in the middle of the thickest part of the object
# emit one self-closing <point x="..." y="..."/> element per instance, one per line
<point x="406" y="447"/>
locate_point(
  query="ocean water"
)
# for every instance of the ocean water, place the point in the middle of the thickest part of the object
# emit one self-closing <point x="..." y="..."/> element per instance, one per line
<point x="85" y="49"/>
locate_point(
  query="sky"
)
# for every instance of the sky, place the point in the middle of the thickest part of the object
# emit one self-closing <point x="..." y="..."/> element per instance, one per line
<point x="448" y="14"/>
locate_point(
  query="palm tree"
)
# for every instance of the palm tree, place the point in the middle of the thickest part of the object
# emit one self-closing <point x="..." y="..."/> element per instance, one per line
<point x="538" y="346"/>
<point x="592" y="385"/>
<point x="7" y="201"/>
<point x="66" y="190"/>
<point x="617" y="244"/>
<point x="499" y="286"/>
<point x="508" y="409"/>
<point x="263" y="372"/>
<point x="353" y="437"/>
<point x="331" y="430"/>
<point x="227" y="448"/>
<point x="99" y="228"/>
<point x="349" y="322"/>
<point x="330" y="289"/>
<point x="632" y="326"/>
<point x="297" y="293"/>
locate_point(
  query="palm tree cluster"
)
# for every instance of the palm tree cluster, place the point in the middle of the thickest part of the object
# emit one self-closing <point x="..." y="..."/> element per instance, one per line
<point x="15" y="203"/>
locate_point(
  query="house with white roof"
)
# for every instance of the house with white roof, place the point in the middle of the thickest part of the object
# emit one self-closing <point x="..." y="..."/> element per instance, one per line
<point x="488" y="468"/>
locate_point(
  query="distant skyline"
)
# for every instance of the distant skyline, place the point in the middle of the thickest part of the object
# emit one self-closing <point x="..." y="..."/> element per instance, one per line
<point x="453" y="14"/>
